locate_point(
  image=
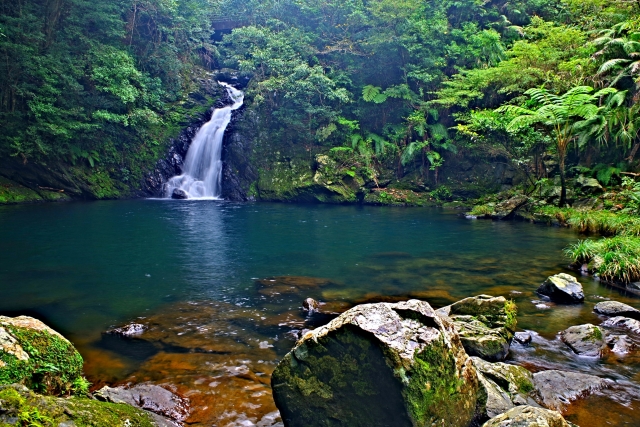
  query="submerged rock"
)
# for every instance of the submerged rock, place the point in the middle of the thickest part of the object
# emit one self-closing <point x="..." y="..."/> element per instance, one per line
<point x="562" y="288"/>
<point x="621" y="344"/>
<point x="31" y="353"/>
<point x="16" y="401"/>
<point x="148" y="397"/>
<point x="615" y="308"/>
<point x="557" y="389"/>
<point x="130" y="330"/>
<point x="485" y="324"/>
<point x="585" y="340"/>
<point x="378" y="365"/>
<point x="528" y="416"/>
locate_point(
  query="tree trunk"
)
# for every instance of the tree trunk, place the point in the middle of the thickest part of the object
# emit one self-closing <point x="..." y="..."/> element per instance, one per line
<point x="563" y="184"/>
<point x="634" y="150"/>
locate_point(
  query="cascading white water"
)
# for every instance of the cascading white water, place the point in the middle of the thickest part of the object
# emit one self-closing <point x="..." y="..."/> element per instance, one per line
<point x="202" y="172"/>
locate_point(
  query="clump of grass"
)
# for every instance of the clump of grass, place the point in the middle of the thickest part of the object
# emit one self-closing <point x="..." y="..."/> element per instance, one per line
<point x="480" y="210"/>
<point x="614" y="259"/>
<point x="605" y="223"/>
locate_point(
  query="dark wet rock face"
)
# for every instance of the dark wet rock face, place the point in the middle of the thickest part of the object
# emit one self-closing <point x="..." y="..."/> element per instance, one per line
<point x="378" y="365"/>
<point x="148" y="397"/>
<point x="584" y="340"/>
<point x="615" y="308"/>
<point x="557" y="389"/>
<point x="485" y="324"/>
<point x="179" y="194"/>
<point x="528" y="416"/>
<point x="562" y="288"/>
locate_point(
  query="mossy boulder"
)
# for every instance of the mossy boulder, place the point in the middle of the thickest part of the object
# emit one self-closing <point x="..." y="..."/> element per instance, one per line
<point x="20" y="406"/>
<point x="485" y="324"/>
<point x="585" y="340"/>
<point x="562" y="288"/>
<point x="378" y="365"/>
<point x="528" y="416"/>
<point x="33" y="354"/>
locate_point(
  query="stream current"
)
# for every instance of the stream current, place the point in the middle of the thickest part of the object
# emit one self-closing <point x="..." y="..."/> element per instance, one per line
<point x="239" y="273"/>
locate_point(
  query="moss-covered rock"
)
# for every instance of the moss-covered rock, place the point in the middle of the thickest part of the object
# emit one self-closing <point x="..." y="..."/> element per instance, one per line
<point x="585" y="340"/>
<point x="35" y="355"/>
<point x="378" y="365"/>
<point x="503" y="386"/>
<point x="485" y="324"/>
<point x="562" y="288"/>
<point x="528" y="416"/>
<point x="20" y="406"/>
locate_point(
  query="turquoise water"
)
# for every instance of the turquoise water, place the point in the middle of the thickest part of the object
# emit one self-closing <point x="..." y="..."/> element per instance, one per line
<point x="83" y="266"/>
<point x="86" y="267"/>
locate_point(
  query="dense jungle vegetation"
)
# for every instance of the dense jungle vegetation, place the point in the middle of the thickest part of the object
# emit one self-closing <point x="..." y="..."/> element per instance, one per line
<point x="97" y="89"/>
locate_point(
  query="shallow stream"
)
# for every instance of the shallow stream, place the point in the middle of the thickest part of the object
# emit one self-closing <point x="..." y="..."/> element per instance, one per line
<point x="227" y="281"/>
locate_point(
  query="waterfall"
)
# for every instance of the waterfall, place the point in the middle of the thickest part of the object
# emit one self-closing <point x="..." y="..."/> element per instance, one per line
<point x="202" y="173"/>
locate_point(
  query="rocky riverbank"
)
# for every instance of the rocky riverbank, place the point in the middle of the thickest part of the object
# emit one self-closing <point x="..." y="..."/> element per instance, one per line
<point x="216" y="363"/>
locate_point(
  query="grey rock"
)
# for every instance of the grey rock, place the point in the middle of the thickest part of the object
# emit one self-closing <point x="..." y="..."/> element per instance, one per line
<point x="562" y="288"/>
<point x="589" y="184"/>
<point x="363" y="368"/>
<point x="622" y="322"/>
<point x="523" y="338"/>
<point x="503" y="386"/>
<point x="557" y="389"/>
<point x="492" y="400"/>
<point x="485" y="324"/>
<point x="130" y="330"/>
<point x="149" y="397"/>
<point x="528" y="416"/>
<point x="615" y="308"/>
<point x="585" y="340"/>
<point x="620" y="344"/>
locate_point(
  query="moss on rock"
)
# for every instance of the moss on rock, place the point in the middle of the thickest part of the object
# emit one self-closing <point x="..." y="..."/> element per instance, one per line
<point x="37" y="356"/>
<point x="20" y="406"/>
<point x="378" y="365"/>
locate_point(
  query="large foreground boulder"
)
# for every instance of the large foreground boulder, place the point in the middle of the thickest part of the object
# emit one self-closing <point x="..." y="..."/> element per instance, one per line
<point x="33" y="354"/>
<point x="382" y="364"/>
<point x="528" y="416"/>
<point x="485" y="324"/>
<point x="562" y="288"/>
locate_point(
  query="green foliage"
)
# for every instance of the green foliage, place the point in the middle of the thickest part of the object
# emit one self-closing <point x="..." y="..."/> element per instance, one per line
<point x="616" y="258"/>
<point x="441" y="193"/>
<point x="481" y="210"/>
